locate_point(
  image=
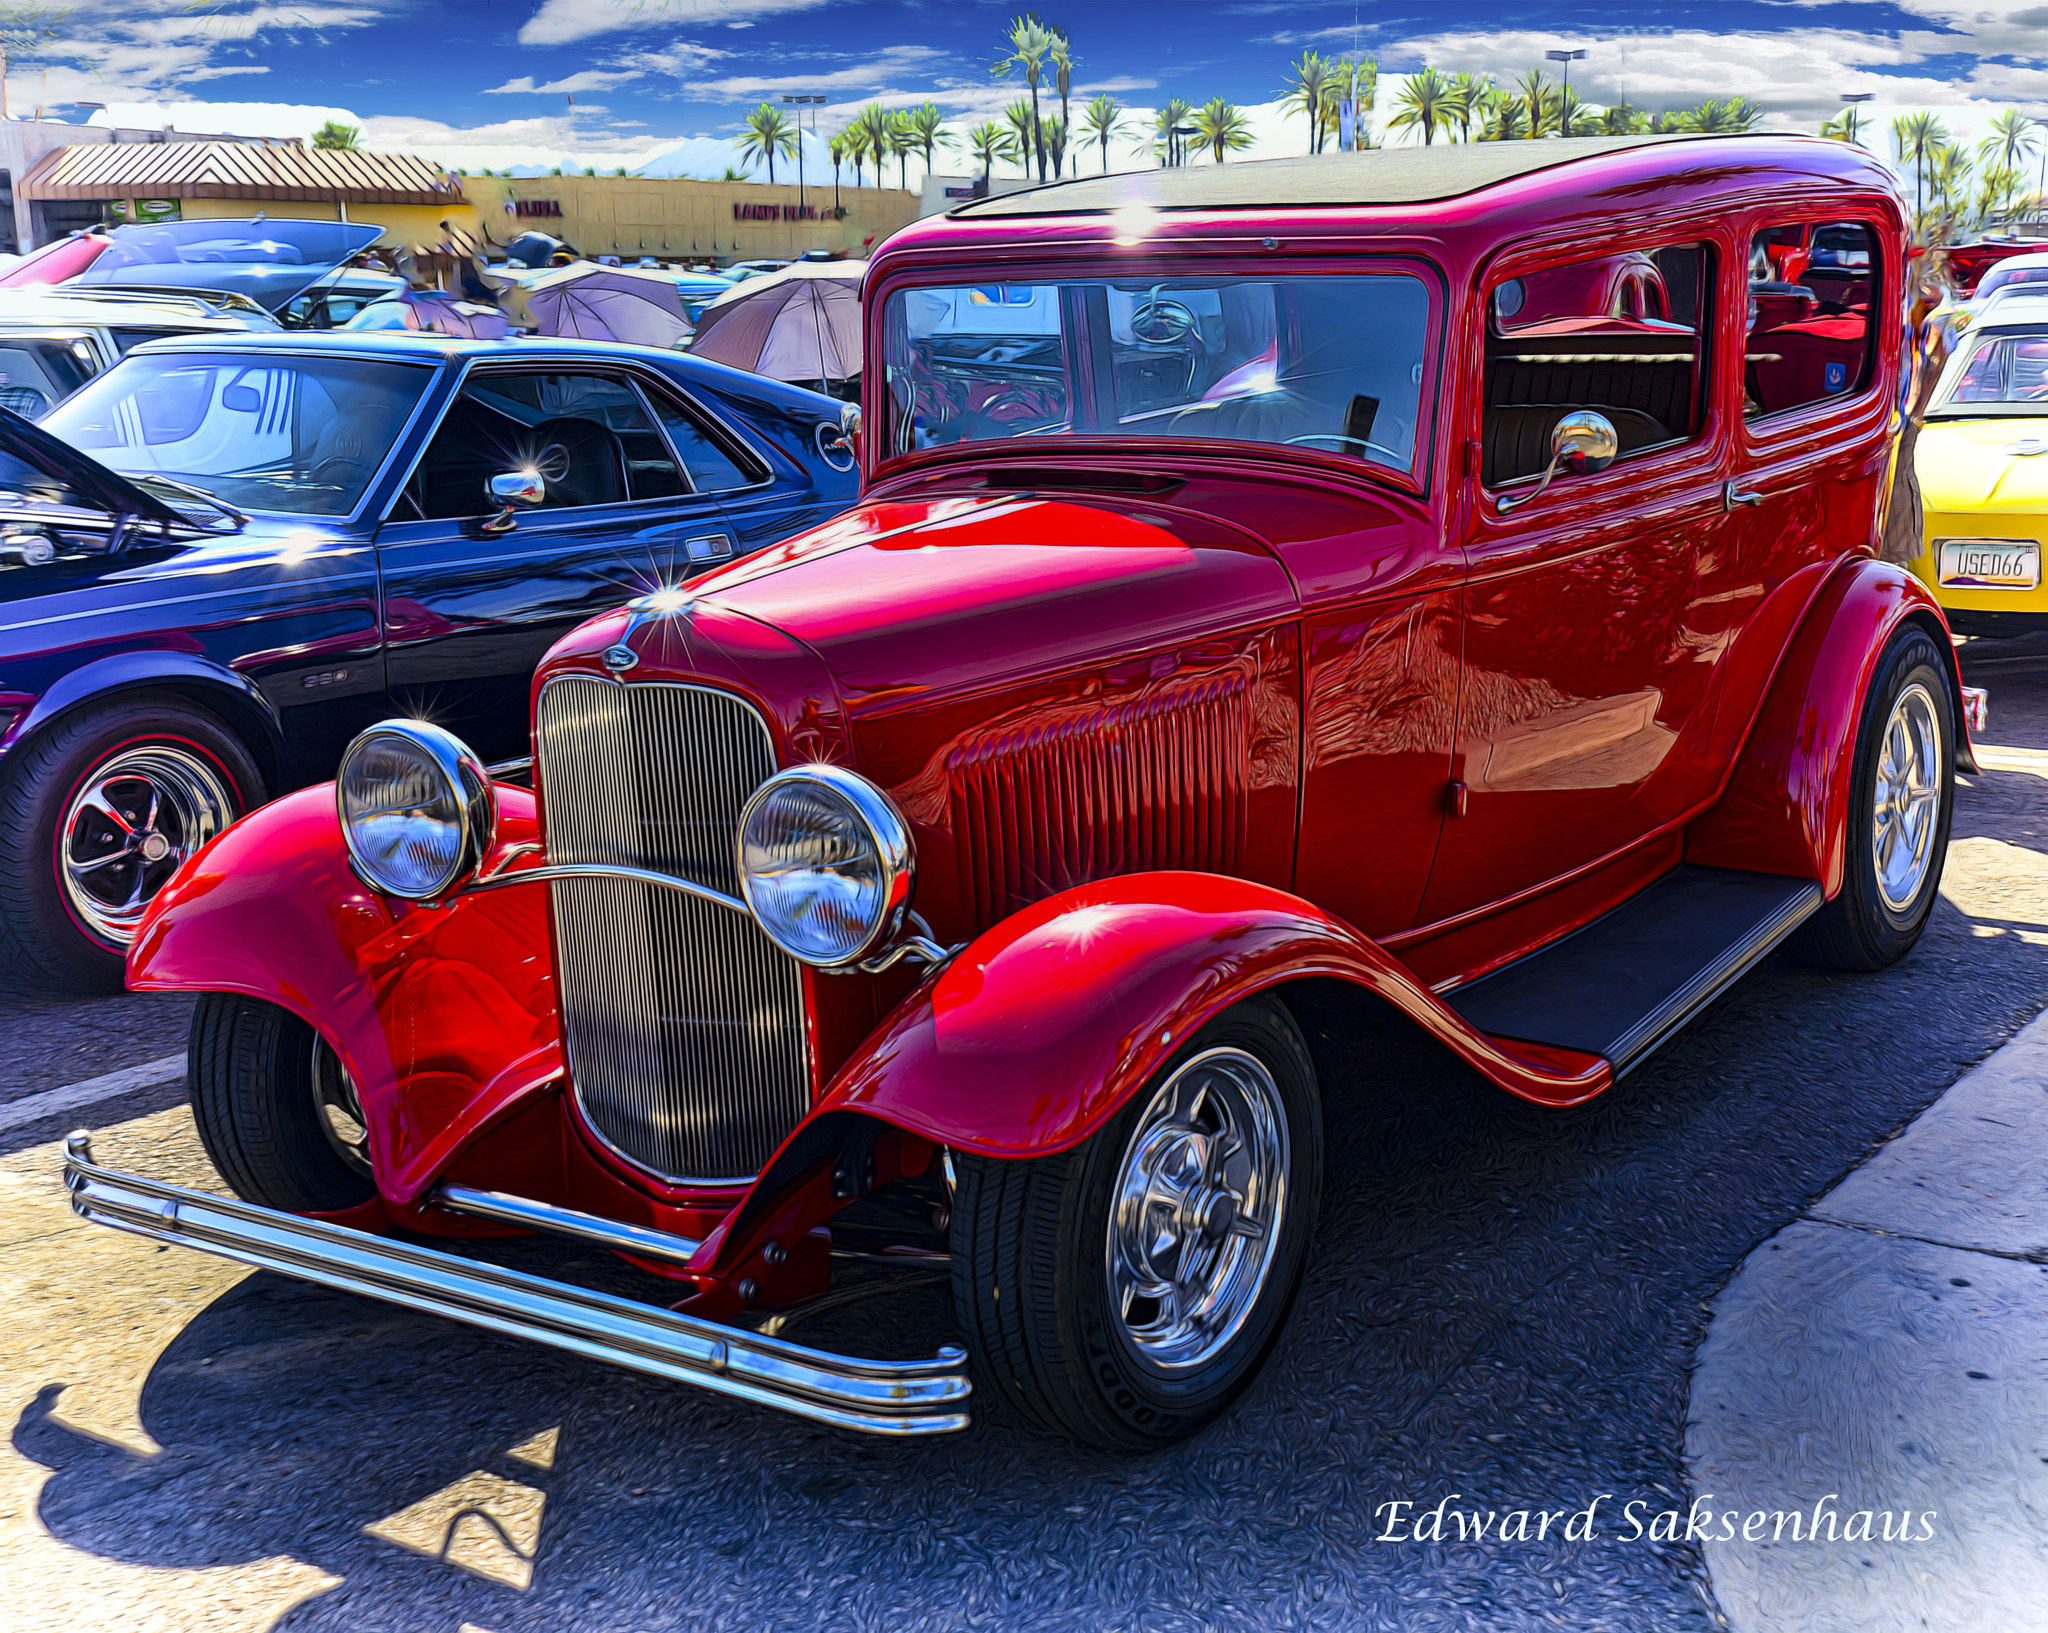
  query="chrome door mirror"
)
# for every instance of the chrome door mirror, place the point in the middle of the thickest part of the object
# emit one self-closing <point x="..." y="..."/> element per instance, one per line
<point x="1582" y="443"/>
<point x="511" y="489"/>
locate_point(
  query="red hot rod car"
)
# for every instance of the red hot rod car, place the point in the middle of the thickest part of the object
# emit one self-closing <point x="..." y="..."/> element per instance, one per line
<point x="1443" y="577"/>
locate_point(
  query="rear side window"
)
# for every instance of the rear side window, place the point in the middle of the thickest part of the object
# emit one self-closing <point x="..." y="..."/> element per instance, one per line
<point x="1618" y="334"/>
<point x="1811" y="289"/>
<point x="711" y="468"/>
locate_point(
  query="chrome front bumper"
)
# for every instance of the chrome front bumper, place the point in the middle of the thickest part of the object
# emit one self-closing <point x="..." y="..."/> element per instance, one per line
<point x="878" y="1397"/>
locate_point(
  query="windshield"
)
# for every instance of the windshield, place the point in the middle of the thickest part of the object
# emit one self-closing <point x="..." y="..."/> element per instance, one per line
<point x="270" y="431"/>
<point x="268" y="261"/>
<point x="1328" y="363"/>
<point x="2001" y="373"/>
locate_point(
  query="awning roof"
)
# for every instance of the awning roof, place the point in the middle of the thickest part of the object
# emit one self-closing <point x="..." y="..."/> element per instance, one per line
<point x="237" y="170"/>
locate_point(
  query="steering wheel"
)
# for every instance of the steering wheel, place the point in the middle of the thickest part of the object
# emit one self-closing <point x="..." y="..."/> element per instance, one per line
<point x="344" y="470"/>
<point x="1393" y="455"/>
<point x="1161" y="322"/>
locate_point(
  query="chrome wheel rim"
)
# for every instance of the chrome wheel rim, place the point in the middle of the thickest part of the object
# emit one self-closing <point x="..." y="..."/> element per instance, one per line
<point x="339" y="1111"/>
<point x="130" y="826"/>
<point x="1908" y="798"/>
<point x="1196" y="1213"/>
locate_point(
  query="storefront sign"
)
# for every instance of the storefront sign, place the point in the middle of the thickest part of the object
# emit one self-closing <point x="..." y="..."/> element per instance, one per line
<point x="536" y="206"/>
<point x="775" y="212"/>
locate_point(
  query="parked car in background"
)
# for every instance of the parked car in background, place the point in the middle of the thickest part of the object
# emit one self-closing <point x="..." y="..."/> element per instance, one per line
<point x="226" y="555"/>
<point x="2015" y="274"/>
<point x="176" y="278"/>
<point x="1418" y="591"/>
<point x="1983" y="474"/>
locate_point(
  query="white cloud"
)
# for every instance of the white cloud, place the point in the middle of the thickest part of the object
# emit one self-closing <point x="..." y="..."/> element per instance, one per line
<point x="560" y="21"/>
<point x="870" y="77"/>
<point x="590" y="79"/>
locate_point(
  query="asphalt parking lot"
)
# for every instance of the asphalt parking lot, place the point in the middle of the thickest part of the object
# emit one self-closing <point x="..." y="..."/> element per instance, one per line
<point x="1504" y="1305"/>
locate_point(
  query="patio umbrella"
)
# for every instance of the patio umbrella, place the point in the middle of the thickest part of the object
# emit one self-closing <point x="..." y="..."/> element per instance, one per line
<point x="433" y="312"/>
<point x="590" y="302"/>
<point x="802" y="323"/>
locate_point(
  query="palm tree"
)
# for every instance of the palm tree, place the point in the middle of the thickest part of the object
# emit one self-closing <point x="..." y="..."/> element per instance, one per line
<point x="1504" y="117"/>
<point x="1424" y="100"/>
<point x="1030" y="42"/>
<point x="1023" y="122"/>
<point x="2015" y="136"/>
<point x="1622" y="120"/>
<point x="1052" y="131"/>
<point x="332" y="137"/>
<point x="1467" y="98"/>
<point x="1948" y="173"/>
<point x="1101" y="122"/>
<point x="1534" y="91"/>
<point x="1918" y="135"/>
<point x="902" y="143"/>
<point x="1305" y="92"/>
<point x="841" y="148"/>
<point x="988" y="142"/>
<point x="1175" y="114"/>
<point x="1062" y="58"/>
<point x="874" y="127"/>
<point x="926" y="126"/>
<point x="766" y="134"/>
<point x="1221" y="127"/>
<point x="1359" y="80"/>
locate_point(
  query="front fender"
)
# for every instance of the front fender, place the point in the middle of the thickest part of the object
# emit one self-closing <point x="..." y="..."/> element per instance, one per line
<point x="1046" y="1025"/>
<point x="1786" y="804"/>
<point x="233" y="696"/>
<point x="445" y="1017"/>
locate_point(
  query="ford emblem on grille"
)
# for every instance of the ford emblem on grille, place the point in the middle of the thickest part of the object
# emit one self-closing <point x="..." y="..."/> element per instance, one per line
<point x="618" y="658"/>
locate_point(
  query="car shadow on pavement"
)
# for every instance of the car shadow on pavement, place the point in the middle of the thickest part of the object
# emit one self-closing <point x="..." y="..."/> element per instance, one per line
<point x="1503" y="1305"/>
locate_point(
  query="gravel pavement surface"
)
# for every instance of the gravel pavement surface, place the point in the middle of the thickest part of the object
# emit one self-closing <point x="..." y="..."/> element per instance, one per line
<point x="1504" y="1306"/>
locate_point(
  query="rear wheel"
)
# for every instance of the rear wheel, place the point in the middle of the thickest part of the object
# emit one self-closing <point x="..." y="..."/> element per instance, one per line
<point x="276" y="1110"/>
<point x="1125" y="1292"/>
<point x="96" y="814"/>
<point x="1901" y="801"/>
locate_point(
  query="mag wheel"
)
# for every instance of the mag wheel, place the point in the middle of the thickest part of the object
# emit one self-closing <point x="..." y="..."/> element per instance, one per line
<point x="276" y="1109"/>
<point x="1125" y="1292"/>
<point x="96" y="814"/>
<point x="1902" y="797"/>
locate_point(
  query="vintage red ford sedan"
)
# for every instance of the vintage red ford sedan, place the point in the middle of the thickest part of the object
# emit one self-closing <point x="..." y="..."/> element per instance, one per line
<point x="1441" y="577"/>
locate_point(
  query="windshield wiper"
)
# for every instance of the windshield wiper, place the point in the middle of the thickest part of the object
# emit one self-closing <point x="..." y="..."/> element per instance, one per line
<point x="239" y="518"/>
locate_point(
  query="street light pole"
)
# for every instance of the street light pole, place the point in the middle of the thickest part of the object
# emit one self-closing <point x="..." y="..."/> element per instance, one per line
<point x="1567" y="58"/>
<point x="802" y="102"/>
<point x="1855" y="99"/>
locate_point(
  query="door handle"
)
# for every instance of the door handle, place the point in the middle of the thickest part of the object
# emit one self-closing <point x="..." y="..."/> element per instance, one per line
<point x="1734" y="493"/>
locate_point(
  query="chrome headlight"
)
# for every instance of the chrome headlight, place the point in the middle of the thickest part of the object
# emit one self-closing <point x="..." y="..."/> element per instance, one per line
<point x="416" y="808"/>
<point x="825" y="864"/>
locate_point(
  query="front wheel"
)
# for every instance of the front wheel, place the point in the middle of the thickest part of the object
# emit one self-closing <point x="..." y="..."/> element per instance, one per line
<point x="1125" y="1292"/>
<point x="1901" y="799"/>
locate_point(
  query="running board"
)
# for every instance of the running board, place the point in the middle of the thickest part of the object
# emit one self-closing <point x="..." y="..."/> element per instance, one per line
<point x="1624" y="983"/>
<point x="879" y="1397"/>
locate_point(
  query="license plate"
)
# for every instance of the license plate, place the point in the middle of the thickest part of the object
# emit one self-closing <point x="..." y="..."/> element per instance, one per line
<point x="1989" y="564"/>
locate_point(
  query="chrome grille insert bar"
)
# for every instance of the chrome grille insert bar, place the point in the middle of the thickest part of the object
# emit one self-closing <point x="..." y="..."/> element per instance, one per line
<point x="683" y="1024"/>
<point x="523" y="1211"/>
<point x="878" y="1397"/>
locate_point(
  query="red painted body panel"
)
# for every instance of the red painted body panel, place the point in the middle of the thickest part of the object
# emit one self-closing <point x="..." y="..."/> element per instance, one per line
<point x="1175" y="723"/>
<point x="1784" y="807"/>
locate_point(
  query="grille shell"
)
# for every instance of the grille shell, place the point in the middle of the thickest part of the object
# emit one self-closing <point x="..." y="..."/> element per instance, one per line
<point x="683" y="1025"/>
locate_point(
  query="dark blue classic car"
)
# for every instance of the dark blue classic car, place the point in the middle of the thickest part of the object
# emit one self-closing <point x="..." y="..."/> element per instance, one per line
<point x="276" y="540"/>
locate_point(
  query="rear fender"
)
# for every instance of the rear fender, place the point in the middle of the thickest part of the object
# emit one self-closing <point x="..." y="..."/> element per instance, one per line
<point x="444" y="1016"/>
<point x="1043" y="1028"/>
<point x="1785" y="807"/>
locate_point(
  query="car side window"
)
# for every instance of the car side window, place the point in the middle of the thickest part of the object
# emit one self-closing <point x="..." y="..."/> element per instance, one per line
<point x="1620" y="335"/>
<point x="711" y="468"/>
<point x="1811" y="289"/>
<point x="589" y="436"/>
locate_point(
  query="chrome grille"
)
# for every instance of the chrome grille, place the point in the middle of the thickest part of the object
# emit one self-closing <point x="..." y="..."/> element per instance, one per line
<point x="683" y="1023"/>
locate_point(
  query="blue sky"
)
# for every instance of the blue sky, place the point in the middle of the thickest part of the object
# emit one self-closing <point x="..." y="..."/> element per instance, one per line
<point x="661" y="85"/>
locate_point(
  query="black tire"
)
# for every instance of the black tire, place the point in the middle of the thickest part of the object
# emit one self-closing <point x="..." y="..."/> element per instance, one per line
<point x="1033" y="1254"/>
<point x="1860" y="929"/>
<point x="255" y="1074"/>
<point x="210" y="779"/>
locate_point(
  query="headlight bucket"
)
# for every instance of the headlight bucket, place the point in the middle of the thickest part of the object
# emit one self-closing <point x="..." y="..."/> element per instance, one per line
<point x="417" y="810"/>
<point x="825" y="864"/>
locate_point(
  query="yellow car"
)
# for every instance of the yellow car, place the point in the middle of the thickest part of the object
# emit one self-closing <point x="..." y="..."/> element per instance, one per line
<point x="1983" y="467"/>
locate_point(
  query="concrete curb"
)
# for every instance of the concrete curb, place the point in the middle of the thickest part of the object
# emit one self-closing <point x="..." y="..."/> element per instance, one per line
<point x="1886" y="1355"/>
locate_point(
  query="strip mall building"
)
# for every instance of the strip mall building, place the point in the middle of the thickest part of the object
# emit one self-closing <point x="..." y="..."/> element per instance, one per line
<point x="422" y="207"/>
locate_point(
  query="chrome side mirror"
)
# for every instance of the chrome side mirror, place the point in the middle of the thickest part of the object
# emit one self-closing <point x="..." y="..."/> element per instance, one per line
<point x="511" y="489"/>
<point x="1582" y="443"/>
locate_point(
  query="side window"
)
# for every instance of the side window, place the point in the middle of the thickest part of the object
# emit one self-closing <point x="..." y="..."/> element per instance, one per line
<point x="1810" y="293"/>
<point x="1619" y="334"/>
<point x="711" y="468"/>
<point x="590" y="437"/>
